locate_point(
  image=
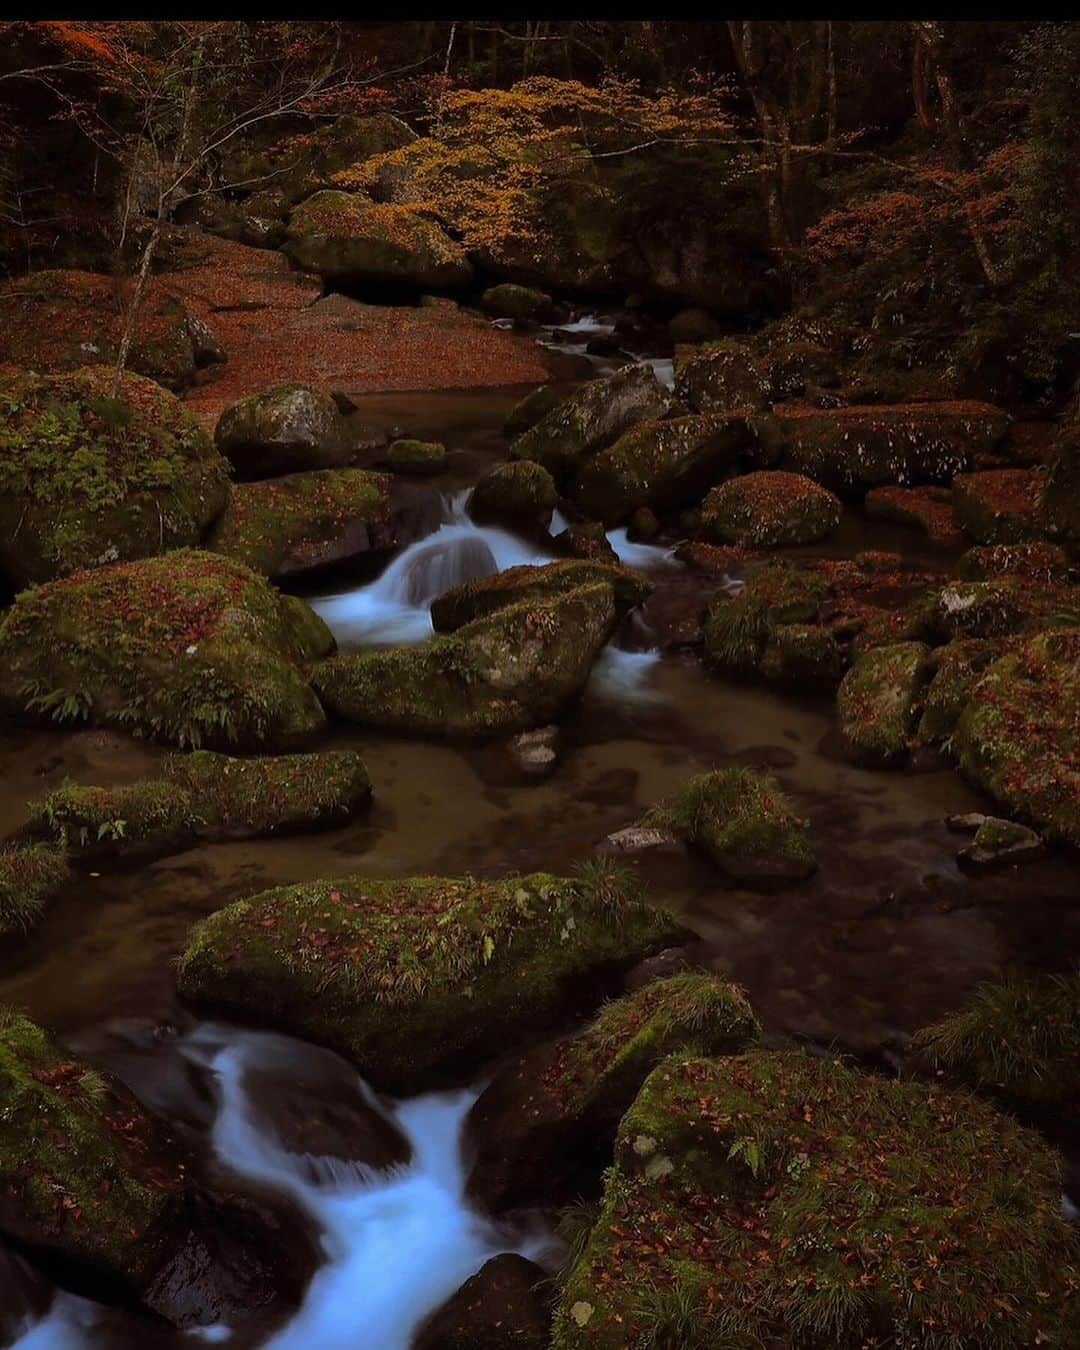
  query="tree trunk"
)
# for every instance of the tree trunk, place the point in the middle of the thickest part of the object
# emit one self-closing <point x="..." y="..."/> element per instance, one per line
<point x="131" y="319"/>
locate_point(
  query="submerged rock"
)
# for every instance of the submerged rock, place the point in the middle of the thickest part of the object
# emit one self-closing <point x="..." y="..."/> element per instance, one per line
<point x="534" y="752"/>
<point x="506" y="1305"/>
<point x="305" y="521"/>
<point x="288" y="428"/>
<point x="548" y="1118"/>
<point x="880" y="700"/>
<point x="420" y="979"/>
<point x="351" y="241"/>
<point x="508" y="671"/>
<point x="205" y="796"/>
<point x="592" y="417"/>
<point x="487" y="595"/>
<point x="87" y="479"/>
<point x="768" y="510"/>
<point x="520" y="495"/>
<point x="803" y="1203"/>
<point x="742" y="822"/>
<point x="998" y="844"/>
<point x="30" y="873"/>
<point x="190" y="648"/>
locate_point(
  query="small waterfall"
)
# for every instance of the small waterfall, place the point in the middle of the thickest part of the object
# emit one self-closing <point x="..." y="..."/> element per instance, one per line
<point x="645" y="557"/>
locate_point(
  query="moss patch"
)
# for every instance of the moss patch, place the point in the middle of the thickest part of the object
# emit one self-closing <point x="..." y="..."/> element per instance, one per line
<point x="957" y="669"/>
<point x="769" y="509"/>
<point x="879" y="700"/>
<point x="520" y="494"/>
<point x="720" y="377"/>
<point x="418" y="458"/>
<point x="477" y="599"/>
<point x="737" y="628"/>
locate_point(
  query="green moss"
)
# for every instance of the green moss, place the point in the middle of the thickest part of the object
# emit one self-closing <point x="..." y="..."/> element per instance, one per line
<point x="738" y="627"/>
<point x="29" y="875"/>
<point x="517" y="302"/>
<point x="780" y="1199"/>
<point x="520" y="492"/>
<point x="769" y="509"/>
<point x="87" y="479"/>
<point x="802" y="655"/>
<point x="1020" y="1037"/>
<point x="957" y="669"/>
<point x="1038" y="562"/>
<point x="531" y="409"/>
<point x="879" y="700"/>
<point x="503" y="672"/>
<point x="411" y="978"/>
<point x="189" y="647"/>
<point x="79" y="1169"/>
<point x="283" y="525"/>
<point x="416" y="457"/>
<point x="477" y="599"/>
<point x="743" y="822"/>
<point x="720" y="377"/>
<point x="983" y="609"/>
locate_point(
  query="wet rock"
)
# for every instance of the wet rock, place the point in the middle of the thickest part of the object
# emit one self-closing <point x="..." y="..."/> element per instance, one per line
<point x="305" y="521"/>
<point x="592" y="417"/>
<point x="998" y="506"/>
<point x="723" y="377"/>
<point x="532" y="408"/>
<point x="418" y="458"/>
<point x="25" y="1295"/>
<point x="957" y="669"/>
<point x="149" y="479"/>
<point x="752" y="1128"/>
<point x="976" y="609"/>
<point x="855" y="448"/>
<point x="966" y="823"/>
<point x="585" y="539"/>
<point x="635" y="839"/>
<point x="419" y="980"/>
<point x="506" y="1305"/>
<point x="189" y="648"/>
<point x="802" y="655"/>
<point x="30" y="875"/>
<point x="520" y="495"/>
<point x="643" y="525"/>
<point x="738" y="627"/>
<point x="663" y="465"/>
<point x="603" y="344"/>
<point x="487" y="595"/>
<point x="534" y="752"/>
<point x="662" y="966"/>
<point x="507" y="671"/>
<point x="523" y="304"/>
<point x="742" y="822"/>
<point x="549" y="1117"/>
<point x="790" y="369"/>
<point x="204" y="796"/>
<point x="1036" y="562"/>
<point x="998" y="844"/>
<point x="769" y="509"/>
<point x="288" y="428"/>
<point x="879" y="701"/>
<point x="351" y="241"/>
<point x="930" y="509"/>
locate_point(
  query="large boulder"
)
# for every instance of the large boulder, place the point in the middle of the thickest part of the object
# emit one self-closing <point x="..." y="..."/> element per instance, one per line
<point x="304" y="521"/>
<point x="957" y="668"/>
<point x="523" y="304"/>
<point x="742" y="822"/>
<point x="855" y="448"/>
<point x="477" y="599"/>
<point x="665" y="464"/>
<point x="784" y="1199"/>
<point x="417" y="459"/>
<point x="1018" y="737"/>
<point x="30" y="874"/>
<point x="591" y="418"/>
<point x="204" y="796"/>
<point x="536" y="404"/>
<point x="738" y="628"/>
<point x="551" y="1114"/>
<point x="288" y="428"/>
<point x="424" y="978"/>
<point x="1040" y="563"/>
<point x="506" y="1305"/>
<point x="88" y="479"/>
<point x="880" y="700"/>
<point x="769" y="509"/>
<point x="56" y="321"/>
<point x="350" y="241"/>
<point x="521" y="495"/>
<point x="722" y="377"/>
<point x="190" y="648"/>
<point x="504" y="672"/>
<point x="998" y="506"/>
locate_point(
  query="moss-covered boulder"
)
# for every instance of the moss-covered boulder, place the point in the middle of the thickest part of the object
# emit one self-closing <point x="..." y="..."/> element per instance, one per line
<point x="1059" y="508"/>
<point x="664" y="464"/>
<point x="56" y="321"/>
<point x="783" y="1199"/>
<point x="742" y="822"/>
<point x="738" y="627"/>
<point x="856" y="448"/>
<point x="585" y="539"/>
<point x="205" y="796"/>
<point x="1018" y="738"/>
<point x="551" y="1115"/>
<point x="769" y="509"/>
<point x="722" y="377"/>
<point x="418" y="979"/>
<point x="351" y="241"/>
<point x="929" y="509"/>
<point x="190" y="648"/>
<point x="304" y="521"/>
<point x="30" y="873"/>
<point x="88" y="479"/>
<point x="520" y="303"/>
<point x="521" y="495"/>
<point x="417" y="459"/>
<point x="957" y="668"/>
<point x="1039" y="562"/>
<point x="1019" y="1040"/>
<point x="477" y="599"/>
<point x="591" y="418"/>
<point x="790" y="368"/>
<point x="288" y="428"/>
<point x="999" y="844"/>
<point x="84" y="1174"/>
<point x="974" y="609"/>
<point x="804" y="656"/>
<point x="880" y="700"/>
<point x="531" y="409"/>
<point x="998" y="506"/>
<point x="507" y="671"/>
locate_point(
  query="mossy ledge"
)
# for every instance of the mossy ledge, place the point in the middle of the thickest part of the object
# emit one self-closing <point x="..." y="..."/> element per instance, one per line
<point x="418" y="979"/>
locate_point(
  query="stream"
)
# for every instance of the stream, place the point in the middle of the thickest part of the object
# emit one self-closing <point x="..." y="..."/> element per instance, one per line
<point x="886" y="937"/>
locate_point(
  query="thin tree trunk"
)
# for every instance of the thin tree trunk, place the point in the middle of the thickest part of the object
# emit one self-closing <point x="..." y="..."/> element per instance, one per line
<point x="131" y="319"/>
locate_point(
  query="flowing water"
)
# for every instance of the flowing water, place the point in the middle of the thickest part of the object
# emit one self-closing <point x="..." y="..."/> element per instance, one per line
<point x="888" y="935"/>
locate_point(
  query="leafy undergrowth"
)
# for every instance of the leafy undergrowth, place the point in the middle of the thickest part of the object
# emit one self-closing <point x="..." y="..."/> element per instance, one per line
<point x="29" y="875"/>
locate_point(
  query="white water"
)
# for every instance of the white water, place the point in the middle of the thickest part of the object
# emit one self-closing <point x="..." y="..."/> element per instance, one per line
<point x="397" y="1243"/>
<point x="625" y="677"/>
